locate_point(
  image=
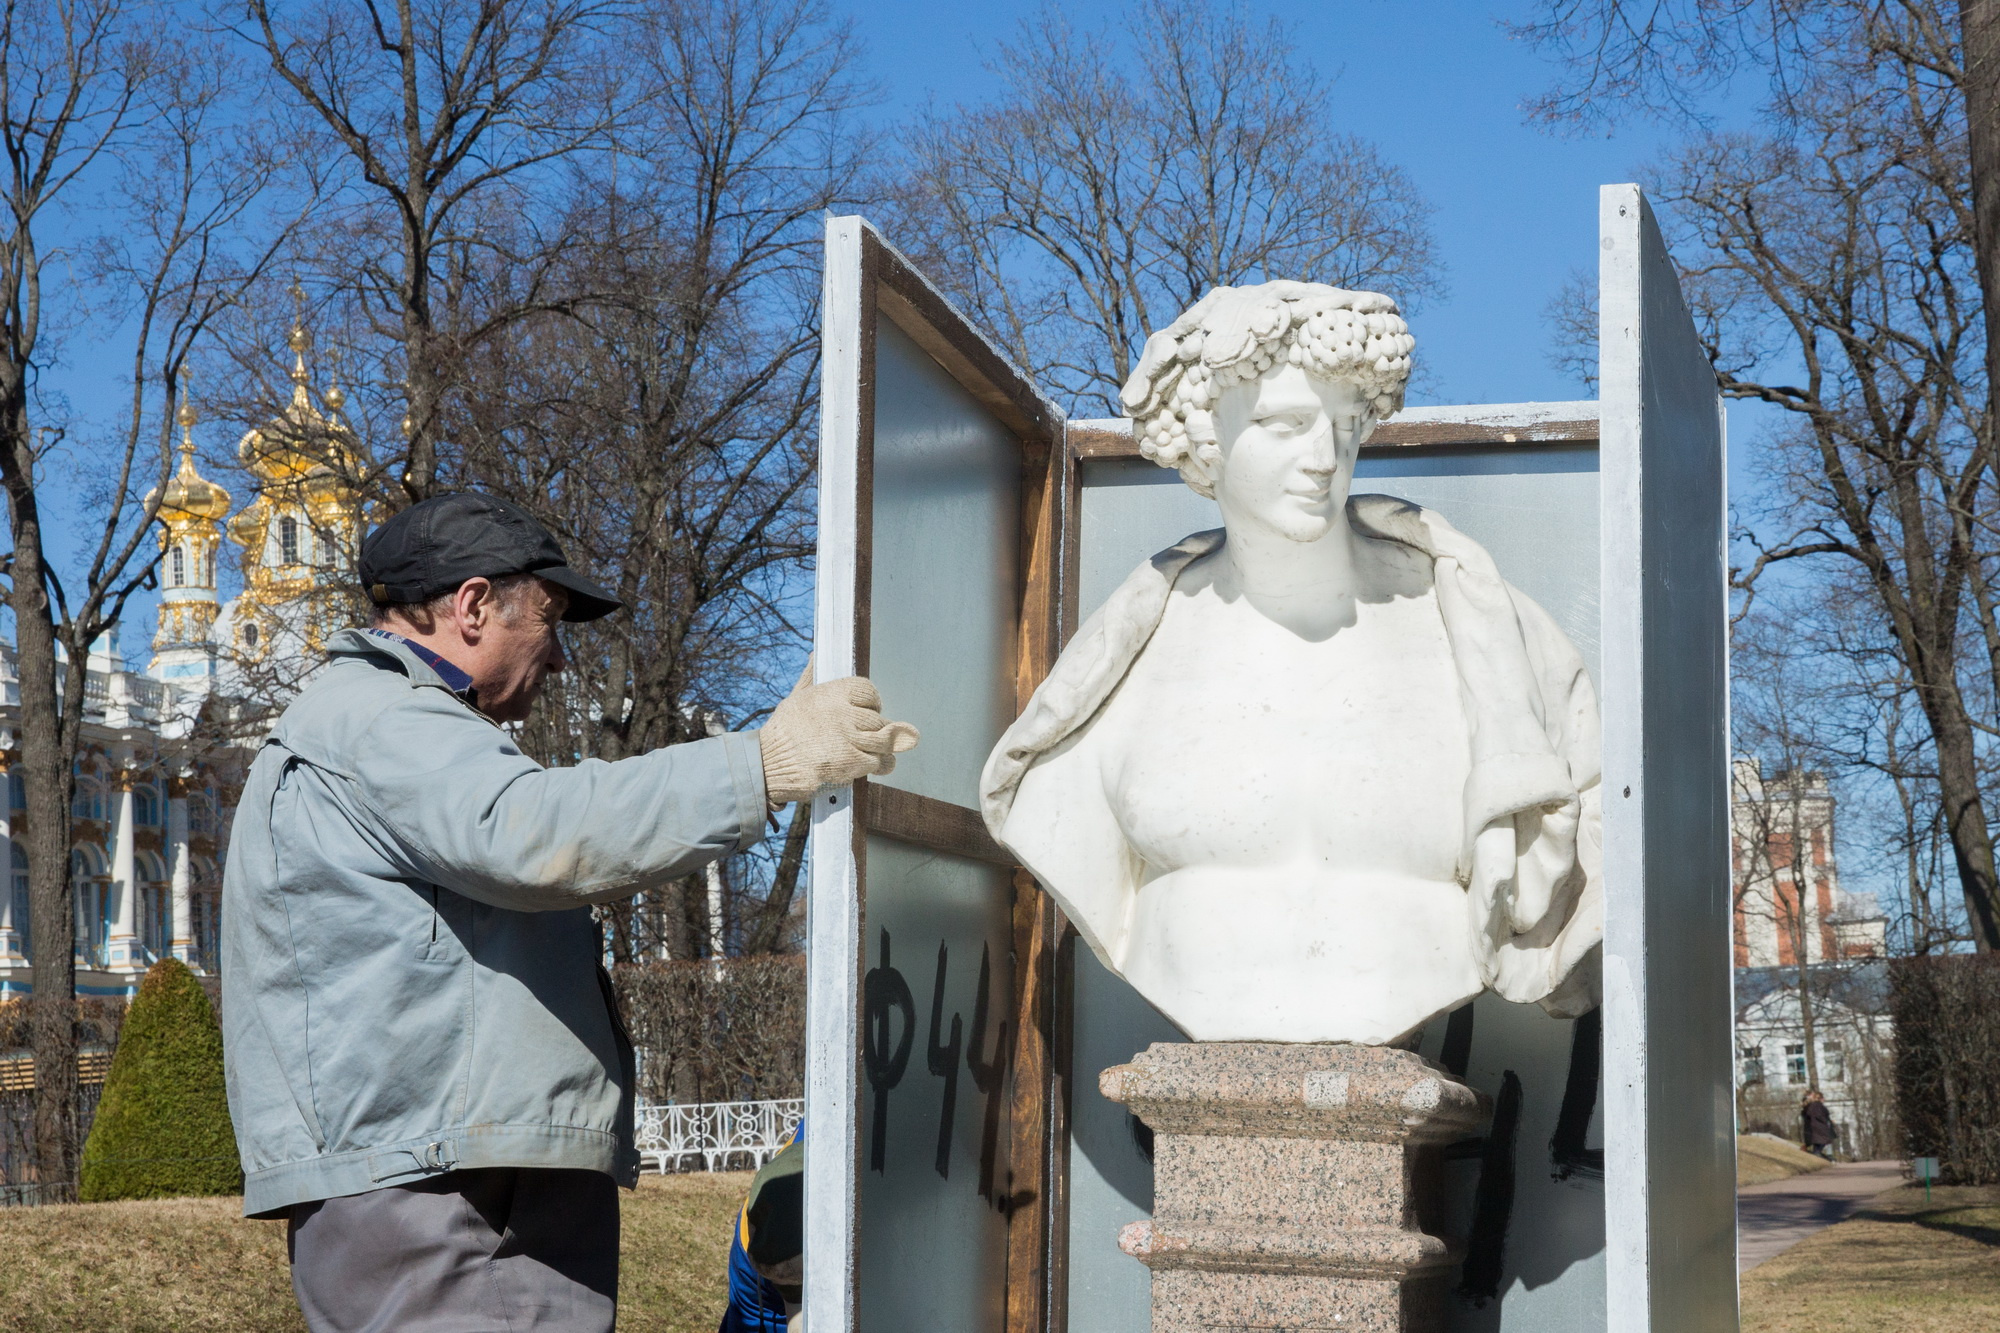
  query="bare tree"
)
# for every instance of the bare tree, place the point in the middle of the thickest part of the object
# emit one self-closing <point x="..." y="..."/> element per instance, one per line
<point x="1669" y="56"/>
<point x="454" y="119"/>
<point x="1846" y="261"/>
<point x="1781" y="805"/>
<point x="664" y="427"/>
<point x="1120" y="175"/>
<point x="108" y="113"/>
<point x="1808" y="723"/>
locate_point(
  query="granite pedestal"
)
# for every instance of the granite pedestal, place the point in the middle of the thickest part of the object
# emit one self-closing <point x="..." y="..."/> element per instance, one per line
<point x="1292" y="1185"/>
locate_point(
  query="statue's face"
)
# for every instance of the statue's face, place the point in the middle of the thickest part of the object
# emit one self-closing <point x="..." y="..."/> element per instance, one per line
<point x="1288" y="444"/>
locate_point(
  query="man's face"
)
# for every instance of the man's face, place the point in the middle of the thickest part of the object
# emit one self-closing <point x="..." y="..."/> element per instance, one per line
<point x="514" y="646"/>
<point x="1288" y="442"/>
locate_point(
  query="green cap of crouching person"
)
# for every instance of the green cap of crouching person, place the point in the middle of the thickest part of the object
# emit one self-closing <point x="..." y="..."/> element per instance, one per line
<point x="427" y="1073"/>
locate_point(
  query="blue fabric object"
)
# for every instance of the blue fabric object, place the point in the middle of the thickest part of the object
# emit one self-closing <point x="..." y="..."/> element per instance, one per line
<point x="754" y="1303"/>
<point x="414" y="979"/>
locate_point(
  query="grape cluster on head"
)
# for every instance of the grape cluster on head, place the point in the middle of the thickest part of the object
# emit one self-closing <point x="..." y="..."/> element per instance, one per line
<point x="1234" y="335"/>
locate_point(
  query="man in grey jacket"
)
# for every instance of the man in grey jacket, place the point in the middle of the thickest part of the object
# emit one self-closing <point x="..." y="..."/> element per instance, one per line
<point x="427" y="1072"/>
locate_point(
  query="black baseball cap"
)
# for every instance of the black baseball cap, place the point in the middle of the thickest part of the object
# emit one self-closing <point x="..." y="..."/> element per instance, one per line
<point x="435" y="545"/>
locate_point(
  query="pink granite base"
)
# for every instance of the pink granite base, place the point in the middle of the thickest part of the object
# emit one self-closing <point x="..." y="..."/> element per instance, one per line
<point x="1288" y="1185"/>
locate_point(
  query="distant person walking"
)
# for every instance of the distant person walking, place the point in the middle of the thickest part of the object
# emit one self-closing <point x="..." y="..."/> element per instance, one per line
<point x="427" y="1072"/>
<point x="1817" y="1123"/>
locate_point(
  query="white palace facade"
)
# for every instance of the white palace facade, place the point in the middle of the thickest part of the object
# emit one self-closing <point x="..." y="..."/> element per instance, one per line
<point x="165" y="748"/>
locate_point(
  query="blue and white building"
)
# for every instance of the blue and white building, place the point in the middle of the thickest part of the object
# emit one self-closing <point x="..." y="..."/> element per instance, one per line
<point x="165" y="748"/>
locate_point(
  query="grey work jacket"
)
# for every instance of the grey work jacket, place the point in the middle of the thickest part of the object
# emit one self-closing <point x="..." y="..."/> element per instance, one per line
<point x="411" y="976"/>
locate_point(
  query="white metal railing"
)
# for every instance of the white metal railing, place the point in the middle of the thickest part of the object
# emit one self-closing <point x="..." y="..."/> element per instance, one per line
<point x="714" y="1136"/>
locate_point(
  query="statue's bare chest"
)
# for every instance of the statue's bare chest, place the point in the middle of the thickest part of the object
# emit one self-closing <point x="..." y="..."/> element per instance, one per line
<point x="1233" y="742"/>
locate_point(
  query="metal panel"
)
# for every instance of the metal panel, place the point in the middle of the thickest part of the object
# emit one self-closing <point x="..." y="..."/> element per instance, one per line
<point x="1669" y="1132"/>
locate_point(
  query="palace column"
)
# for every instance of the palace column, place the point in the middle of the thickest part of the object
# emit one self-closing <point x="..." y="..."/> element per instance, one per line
<point x="10" y="929"/>
<point x="121" y="951"/>
<point x="180" y="863"/>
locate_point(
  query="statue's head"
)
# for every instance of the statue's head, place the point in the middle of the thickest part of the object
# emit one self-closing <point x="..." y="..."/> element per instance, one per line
<point x="1286" y="378"/>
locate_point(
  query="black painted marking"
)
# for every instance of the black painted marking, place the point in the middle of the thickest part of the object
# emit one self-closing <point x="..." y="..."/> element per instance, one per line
<point x="1456" y="1052"/>
<point x="942" y="1060"/>
<point x="1493" y="1203"/>
<point x="882" y="990"/>
<point x="989" y="1076"/>
<point x="1567" y="1151"/>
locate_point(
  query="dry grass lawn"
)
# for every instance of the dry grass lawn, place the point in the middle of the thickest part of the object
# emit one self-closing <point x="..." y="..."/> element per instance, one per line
<point x="1760" y="1160"/>
<point x="674" y="1277"/>
<point x="195" y="1264"/>
<point x="1896" y="1265"/>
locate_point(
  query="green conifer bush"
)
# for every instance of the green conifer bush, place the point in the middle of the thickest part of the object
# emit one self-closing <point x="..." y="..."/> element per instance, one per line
<point x="162" y="1127"/>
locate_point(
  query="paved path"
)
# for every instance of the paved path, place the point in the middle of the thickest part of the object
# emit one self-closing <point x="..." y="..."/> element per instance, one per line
<point x="1773" y="1217"/>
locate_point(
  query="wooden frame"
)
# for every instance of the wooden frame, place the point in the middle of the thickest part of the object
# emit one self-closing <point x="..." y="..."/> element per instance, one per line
<point x="868" y="281"/>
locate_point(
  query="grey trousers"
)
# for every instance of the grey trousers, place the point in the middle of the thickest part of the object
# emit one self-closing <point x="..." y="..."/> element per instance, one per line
<point x="495" y="1250"/>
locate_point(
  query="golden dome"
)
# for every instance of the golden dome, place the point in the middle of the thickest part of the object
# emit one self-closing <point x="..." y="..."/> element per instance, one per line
<point x="189" y="495"/>
<point x="302" y="440"/>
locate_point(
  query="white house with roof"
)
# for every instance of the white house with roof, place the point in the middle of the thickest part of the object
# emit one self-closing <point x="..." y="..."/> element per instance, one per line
<point x="1806" y="948"/>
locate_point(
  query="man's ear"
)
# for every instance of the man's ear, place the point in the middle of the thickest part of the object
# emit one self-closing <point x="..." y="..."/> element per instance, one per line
<point x="473" y="606"/>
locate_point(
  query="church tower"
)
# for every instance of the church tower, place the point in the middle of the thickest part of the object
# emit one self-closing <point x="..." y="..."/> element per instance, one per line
<point x="301" y="533"/>
<point x="190" y="514"/>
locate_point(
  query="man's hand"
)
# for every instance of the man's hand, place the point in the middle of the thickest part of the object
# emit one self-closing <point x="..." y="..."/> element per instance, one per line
<point x="827" y="735"/>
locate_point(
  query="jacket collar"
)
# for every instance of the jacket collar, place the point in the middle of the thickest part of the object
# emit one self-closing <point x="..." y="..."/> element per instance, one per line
<point x="385" y="648"/>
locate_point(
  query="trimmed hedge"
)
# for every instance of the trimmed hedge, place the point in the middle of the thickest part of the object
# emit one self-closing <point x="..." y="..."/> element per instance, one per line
<point x="709" y="1034"/>
<point x="162" y="1128"/>
<point x="1947" y="1014"/>
<point x="98" y="1018"/>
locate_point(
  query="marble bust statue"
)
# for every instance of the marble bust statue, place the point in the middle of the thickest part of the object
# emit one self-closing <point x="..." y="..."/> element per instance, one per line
<point x="1323" y="774"/>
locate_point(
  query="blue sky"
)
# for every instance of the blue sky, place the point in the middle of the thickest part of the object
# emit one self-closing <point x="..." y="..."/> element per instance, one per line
<point x="1438" y="88"/>
<point x="1436" y="85"/>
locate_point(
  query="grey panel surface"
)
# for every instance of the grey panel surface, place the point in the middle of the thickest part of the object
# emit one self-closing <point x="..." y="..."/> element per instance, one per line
<point x="1131" y="509"/>
<point x="1536" y="509"/>
<point x="1670" y="1123"/>
<point x="1551" y="1248"/>
<point x="933" y="1248"/>
<point x="1507" y="498"/>
<point x="1110" y="1174"/>
<point x="946" y="513"/>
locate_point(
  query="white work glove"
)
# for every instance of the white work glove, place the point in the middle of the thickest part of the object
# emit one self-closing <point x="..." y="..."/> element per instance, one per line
<point x="827" y="735"/>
